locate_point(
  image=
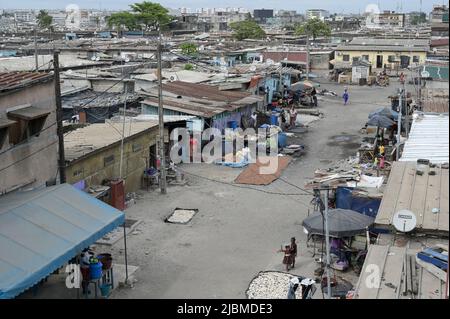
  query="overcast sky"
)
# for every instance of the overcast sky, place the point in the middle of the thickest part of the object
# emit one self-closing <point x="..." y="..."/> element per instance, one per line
<point x="338" y="6"/>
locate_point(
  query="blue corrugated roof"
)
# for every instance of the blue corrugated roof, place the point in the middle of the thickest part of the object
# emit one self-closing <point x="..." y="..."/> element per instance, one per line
<point x="41" y="230"/>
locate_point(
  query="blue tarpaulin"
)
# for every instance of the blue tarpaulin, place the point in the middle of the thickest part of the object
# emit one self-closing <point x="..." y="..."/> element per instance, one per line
<point x="346" y="199"/>
<point x="41" y="230"/>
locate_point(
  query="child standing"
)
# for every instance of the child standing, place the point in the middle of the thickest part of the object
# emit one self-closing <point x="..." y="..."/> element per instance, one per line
<point x="346" y="96"/>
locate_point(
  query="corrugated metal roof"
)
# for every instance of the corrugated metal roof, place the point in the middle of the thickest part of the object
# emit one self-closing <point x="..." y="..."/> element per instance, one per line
<point x="428" y="138"/>
<point x="14" y="80"/>
<point x="419" y="193"/>
<point x="203" y="91"/>
<point x="41" y="230"/>
<point x="390" y="255"/>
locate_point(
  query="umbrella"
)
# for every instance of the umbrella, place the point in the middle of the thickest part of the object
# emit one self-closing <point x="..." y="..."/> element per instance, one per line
<point x="384" y="112"/>
<point x="380" y="121"/>
<point x="341" y="223"/>
<point x="302" y="85"/>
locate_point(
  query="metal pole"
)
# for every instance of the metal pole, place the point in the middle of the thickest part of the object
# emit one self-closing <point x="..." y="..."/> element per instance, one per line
<point x="123" y="134"/>
<point x="307" y="56"/>
<point x="36" y="51"/>
<point x="399" y="123"/>
<point x="59" y="119"/>
<point x="126" y="253"/>
<point x="161" y="119"/>
<point x="327" y="246"/>
<point x="407" y="112"/>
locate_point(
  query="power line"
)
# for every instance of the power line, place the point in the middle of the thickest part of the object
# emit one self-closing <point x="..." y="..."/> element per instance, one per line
<point x="28" y="156"/>
<point x="245" y="187"/>
<point x="26" y="140"/>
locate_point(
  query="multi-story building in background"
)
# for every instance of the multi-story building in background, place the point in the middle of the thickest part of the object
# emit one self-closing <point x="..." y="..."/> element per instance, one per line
<point x="261" y="15"/>
<point x="439" y="21"/>
<point x="320" y="14"/>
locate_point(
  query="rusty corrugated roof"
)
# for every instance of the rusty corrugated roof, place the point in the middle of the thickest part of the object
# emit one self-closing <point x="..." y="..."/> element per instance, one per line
<point x="14" y="80"/>
<point x="203" y="91"/>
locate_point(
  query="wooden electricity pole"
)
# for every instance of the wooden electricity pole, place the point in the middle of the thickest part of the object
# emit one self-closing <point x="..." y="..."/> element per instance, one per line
<point x="161" y="119"/>
<point x="59" y="119"/>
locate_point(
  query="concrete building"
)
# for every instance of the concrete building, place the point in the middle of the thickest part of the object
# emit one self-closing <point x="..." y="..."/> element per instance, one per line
<point x="381" y="52"/>
<point x="24" y="16"/>
<point x="93" y="153"/>
<point x="439" y="21"/>
<point x="28" y="140"/>
<point x="320" y="14"/>
<point x="261" y="15"/>
<point x="390" y="19"/>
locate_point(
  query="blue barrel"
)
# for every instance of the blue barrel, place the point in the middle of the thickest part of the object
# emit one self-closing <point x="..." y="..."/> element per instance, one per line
<point x="282" y="139"/>
<point x="274" y="119"/>
<point x="233" y="124"/>
<point x="96" y="270"/>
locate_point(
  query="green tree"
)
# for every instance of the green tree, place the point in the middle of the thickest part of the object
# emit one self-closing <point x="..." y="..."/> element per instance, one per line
<point x="151" y="14"/>
<point x="122" y="20"/>
<point x="189" y="49"/>
<point x="314" y="28"/>
<point x="44" y="19"/>
<point x="247" y="29"/>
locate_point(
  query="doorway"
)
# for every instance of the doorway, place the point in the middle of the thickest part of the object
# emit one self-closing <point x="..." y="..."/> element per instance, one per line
<point x="153" y="156"/>
<point x="379" y="61"/>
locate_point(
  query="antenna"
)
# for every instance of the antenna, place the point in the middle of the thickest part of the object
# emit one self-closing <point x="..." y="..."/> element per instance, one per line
<point x="404" y="221"/>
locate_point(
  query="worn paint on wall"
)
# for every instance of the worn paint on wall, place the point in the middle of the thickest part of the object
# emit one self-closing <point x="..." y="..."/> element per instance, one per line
<point x="372" y="56"/>
<point x="93" y="169"/>
<point x="34" y="162"/>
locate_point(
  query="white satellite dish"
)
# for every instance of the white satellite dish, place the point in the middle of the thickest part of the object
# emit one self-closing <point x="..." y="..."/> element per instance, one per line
<point x="404" y="221"/>
<point x="253" y="68"/>
<point x="127" y="59"/>
<point x="425" y="74"/>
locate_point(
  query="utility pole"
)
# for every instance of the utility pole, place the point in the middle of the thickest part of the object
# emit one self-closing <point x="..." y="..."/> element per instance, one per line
<point x="399" y="122"/>
<point x="123" y="133"/>
<point x="161" y="118"/>
<point x="36" y="51"/>
<point x="327" y="245"/>
<point x="307" y="56"/>
<point x="323" y="207"/>
<point x="59" y="119"/>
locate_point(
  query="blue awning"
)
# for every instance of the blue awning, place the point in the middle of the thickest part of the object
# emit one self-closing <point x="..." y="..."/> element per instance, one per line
<point x="41" y="230"/>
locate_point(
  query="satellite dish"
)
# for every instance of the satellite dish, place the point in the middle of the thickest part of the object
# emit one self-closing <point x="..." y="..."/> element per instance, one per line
<point x="404" y="221"/>
<point x="253" y="68"/>
<point x="172" y="78"/>
<point x="127" y="59"/>
<point x="425" y="74"/>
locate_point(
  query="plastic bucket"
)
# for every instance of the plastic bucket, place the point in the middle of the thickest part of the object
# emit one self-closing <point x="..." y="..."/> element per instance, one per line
<point x="96" y="270"/>
<point x="282" y="139"/>
<point x="274" y="119"/>
<point x="233" y="124"/>
<point x="105" y="290"/>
